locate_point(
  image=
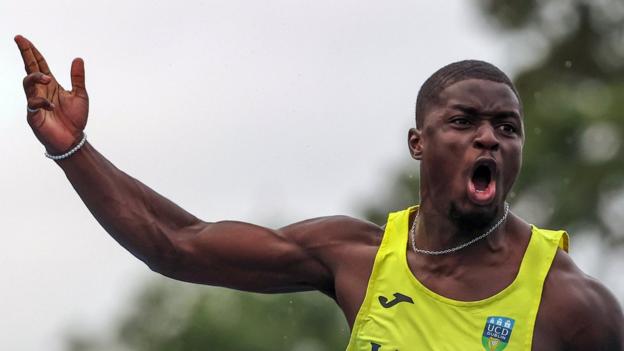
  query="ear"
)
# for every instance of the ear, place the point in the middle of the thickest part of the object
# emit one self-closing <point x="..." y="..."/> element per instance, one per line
<point x="414" y="142"/>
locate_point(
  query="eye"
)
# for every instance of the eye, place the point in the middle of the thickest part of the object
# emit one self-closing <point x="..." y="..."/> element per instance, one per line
<point x="508" y="128"/>
<point x="461" y="121"/>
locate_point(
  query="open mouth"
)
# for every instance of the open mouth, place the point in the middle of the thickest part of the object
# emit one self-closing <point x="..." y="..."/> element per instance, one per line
<point x="481" y="177"/>
<point x="482" y="183"/>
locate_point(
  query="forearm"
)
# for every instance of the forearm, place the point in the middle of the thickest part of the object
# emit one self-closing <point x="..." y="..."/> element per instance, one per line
<point x="141" y="220"/>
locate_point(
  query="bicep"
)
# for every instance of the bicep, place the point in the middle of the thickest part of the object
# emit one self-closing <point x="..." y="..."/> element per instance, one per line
<point x="248" y="257"/>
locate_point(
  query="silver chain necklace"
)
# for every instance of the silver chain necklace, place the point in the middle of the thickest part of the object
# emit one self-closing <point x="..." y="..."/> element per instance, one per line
<point x="456" y="248"/>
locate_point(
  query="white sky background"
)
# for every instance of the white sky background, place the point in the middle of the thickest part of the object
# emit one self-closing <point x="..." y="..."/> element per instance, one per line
<point x="268" y="111"/>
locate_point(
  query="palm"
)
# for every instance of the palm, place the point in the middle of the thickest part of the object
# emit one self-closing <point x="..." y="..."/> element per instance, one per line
<point x="59" y="128"/>
<point x="62" y="115"/>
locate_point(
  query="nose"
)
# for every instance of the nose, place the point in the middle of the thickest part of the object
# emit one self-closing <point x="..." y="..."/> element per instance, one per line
<point x="486" y="138"/>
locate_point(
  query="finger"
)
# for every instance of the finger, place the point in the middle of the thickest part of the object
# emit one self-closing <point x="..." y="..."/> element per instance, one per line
<point x="78" y="77"/>
<point x="25" y="46"/>
<point x="36" y="103"/>
<point x="30" y="82"/>
<point x="43" y="65"/>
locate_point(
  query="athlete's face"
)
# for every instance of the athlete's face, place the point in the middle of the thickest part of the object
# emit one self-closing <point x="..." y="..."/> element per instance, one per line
<point x="470" y="148"/>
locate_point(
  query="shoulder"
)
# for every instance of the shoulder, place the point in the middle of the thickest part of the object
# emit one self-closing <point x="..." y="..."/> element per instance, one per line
<point x="582" y="310"/>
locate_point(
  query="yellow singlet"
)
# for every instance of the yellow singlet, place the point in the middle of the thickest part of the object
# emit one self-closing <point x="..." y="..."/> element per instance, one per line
<point x="400" y="313"/>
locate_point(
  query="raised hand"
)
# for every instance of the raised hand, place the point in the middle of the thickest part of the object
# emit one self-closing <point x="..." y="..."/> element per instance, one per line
<point x="56" y="116"/>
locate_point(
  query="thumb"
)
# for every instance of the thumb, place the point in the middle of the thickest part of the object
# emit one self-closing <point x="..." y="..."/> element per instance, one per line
<point x="78" y="78"/>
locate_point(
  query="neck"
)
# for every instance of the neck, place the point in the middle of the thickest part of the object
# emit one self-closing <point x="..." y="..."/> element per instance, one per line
<point x="436" y="231"/>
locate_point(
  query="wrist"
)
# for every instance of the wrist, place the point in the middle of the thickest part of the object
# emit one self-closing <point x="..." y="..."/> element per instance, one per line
<point x="71" y="151"/>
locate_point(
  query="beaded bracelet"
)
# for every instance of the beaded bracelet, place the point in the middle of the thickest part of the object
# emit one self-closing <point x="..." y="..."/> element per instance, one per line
<point x="70" y="152"/>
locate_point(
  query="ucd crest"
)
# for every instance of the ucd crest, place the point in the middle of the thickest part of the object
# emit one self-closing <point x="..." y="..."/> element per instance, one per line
<point x="497" y="333"/>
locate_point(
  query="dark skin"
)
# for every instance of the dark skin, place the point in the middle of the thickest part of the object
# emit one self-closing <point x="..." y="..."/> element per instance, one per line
<point x="335" y="255"/>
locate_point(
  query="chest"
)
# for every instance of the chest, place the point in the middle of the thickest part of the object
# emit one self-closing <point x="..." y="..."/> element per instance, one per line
<point x="352" y="280"/>
<point x="399" y="312"/>
<point x="469" y="279"/>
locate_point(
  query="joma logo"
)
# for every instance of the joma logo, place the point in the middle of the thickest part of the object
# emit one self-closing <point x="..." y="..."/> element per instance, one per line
<point x="398" y="297"/>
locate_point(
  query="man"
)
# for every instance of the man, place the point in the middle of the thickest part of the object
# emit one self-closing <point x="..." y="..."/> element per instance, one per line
<point x="457" y="272"/>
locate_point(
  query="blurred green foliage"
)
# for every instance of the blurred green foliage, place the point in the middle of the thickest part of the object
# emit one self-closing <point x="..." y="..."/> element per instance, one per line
<point x="173" y="316"/>
<point x="573" y="170"/>
<point x="573" y="107"/>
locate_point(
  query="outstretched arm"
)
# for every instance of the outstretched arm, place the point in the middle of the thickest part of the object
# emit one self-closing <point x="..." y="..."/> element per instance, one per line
<point x="175" y="243"/>
<point x="157" y="231"/>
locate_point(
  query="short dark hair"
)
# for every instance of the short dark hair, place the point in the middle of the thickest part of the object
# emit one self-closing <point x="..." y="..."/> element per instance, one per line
<point x="453" y="73"/>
